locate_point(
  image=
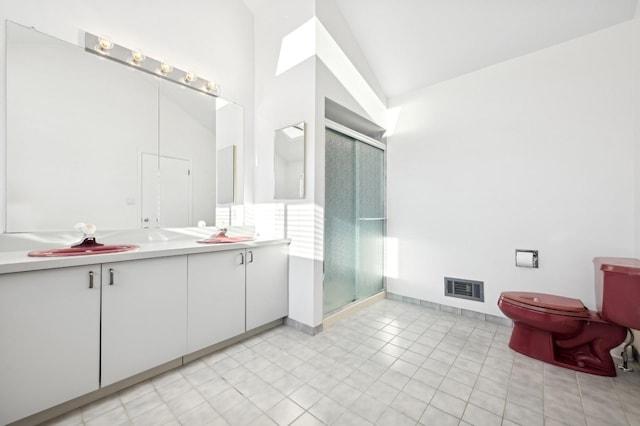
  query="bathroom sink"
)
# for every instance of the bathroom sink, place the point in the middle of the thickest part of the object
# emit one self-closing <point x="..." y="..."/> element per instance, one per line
<point x="83" y="251"/>
<point x="225" y="240"/>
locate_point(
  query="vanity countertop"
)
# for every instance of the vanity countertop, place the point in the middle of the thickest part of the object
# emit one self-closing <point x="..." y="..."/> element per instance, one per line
<point x="19" y="261"/>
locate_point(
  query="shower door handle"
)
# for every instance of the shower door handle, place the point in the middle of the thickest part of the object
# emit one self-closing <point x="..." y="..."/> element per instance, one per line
<point x="371" y="218"/>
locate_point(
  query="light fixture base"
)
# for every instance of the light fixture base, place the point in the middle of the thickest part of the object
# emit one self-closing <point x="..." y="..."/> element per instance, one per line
<point x="134" y="58"/>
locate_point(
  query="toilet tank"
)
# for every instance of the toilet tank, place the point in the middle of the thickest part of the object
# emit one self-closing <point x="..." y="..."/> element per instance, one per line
<point x="618" y="290"/>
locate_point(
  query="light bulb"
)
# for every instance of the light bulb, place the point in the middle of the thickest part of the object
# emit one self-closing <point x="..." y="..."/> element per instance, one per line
<point x="190" y="77"/>
<point x="165" y="68"/>
<point x="104" y="44"/>
<point x="137" y="56"/>
<point x="213" y="88"/>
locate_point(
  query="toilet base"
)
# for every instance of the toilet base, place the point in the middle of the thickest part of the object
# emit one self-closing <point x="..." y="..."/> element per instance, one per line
<point x="586" y="352"/>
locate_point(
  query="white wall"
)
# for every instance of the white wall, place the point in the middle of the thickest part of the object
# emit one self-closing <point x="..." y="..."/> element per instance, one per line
<point x="214" y="38"/>
<point x="636" y="108"/>
<point x="280" y="101"/>
<point x="532" y="153"/>
<point x="331" y="18"/>
<point x="292" y="96"/>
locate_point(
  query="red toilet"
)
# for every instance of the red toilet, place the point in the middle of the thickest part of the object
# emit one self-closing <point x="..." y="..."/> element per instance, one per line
<point x="562" y="331"/>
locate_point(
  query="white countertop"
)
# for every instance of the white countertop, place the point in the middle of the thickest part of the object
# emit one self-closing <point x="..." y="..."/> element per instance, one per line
<point x="19" y="261"/>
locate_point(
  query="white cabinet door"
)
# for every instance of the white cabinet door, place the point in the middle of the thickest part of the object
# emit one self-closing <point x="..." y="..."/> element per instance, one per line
<point x="216" y="298"/>
<point x="49" y="338"/>
<point x="267" y="284"/>
<point x="144" y="315"/>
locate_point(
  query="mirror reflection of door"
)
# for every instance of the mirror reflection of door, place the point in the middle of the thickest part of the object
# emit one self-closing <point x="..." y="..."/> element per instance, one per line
<point x="175" y="192"/>
<point x="149" y="196"/>
<point x="166" y="191"/>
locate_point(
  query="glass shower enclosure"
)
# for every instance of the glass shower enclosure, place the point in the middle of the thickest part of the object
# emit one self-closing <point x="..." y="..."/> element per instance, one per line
<point x="354" y="220"/>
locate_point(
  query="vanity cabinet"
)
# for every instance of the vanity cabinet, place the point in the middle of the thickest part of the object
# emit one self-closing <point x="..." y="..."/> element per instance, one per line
<point x="216" y="309"/>
<point x="144" y="315"/>
<point x="49" y="337"/>
<point x="231" y="292"/>
<point x="267" y="284"/>
<point x="68" y="331"/>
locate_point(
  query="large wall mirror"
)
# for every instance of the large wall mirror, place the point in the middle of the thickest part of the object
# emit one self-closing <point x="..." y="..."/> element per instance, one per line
<point x="92" y="140"/>
<point x="288" y="162"/>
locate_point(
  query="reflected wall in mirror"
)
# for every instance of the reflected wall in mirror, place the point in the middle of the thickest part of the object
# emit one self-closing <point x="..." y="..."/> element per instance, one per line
<point x="226" y="179"/>
<point x="289" y="162"/>
<point x="187" y="156"/>
<point x="76" y="127"/>
<point x="92" y="140"/>
<point x="229" y="137"/>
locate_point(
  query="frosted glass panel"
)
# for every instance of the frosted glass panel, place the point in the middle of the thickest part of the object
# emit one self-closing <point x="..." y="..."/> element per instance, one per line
<point x="370" y="224"/>
<point x="354" y="220"/>
<point x="340" y="225"/>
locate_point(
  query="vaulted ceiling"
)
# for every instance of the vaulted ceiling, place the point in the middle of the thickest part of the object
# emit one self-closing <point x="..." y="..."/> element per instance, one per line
<point x="411" y="44"/>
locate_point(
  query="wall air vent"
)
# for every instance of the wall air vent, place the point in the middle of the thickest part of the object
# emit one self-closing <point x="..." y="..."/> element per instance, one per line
<point x="464" y="289"/>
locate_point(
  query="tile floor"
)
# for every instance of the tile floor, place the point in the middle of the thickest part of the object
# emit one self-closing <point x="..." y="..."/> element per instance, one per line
<point x="392" y="364"/>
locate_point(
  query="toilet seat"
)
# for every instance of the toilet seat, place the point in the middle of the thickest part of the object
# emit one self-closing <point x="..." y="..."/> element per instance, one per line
<point x="546" y="303"/>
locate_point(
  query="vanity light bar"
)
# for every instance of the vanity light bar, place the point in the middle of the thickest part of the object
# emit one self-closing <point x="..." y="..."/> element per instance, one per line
<point x="135" y="58"/>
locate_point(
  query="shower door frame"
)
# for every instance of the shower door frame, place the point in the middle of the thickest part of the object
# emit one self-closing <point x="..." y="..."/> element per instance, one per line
<point x="359" y="137"/>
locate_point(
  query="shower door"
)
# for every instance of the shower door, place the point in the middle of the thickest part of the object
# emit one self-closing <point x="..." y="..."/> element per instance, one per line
<point x="354" y="220"/>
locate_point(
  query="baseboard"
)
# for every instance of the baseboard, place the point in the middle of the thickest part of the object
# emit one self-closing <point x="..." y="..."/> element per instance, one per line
<point x="65" y="407"/>
<point x="222" y="345"/>
<point x="495" y="319"/>
<point x="312" y="331"/>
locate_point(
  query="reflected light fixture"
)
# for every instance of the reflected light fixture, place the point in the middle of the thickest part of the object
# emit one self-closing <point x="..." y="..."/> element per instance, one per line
<point x="135" y="58"/>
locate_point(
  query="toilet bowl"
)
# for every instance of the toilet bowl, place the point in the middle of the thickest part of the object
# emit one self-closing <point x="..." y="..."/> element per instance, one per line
<point x="562" y="331"/>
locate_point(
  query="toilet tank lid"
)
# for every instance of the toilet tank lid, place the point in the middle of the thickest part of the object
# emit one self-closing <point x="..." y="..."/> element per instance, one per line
<point x="548" y="301"/>
<point x="622" y="265"/>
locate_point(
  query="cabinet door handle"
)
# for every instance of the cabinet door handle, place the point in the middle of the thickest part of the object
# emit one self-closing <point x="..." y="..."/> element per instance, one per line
<point x="90" y="279"/>
<point x="110" y="276"/>
<point x="250" y="260"/>
<point x="242" y="258"/>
